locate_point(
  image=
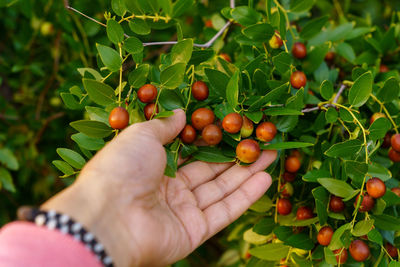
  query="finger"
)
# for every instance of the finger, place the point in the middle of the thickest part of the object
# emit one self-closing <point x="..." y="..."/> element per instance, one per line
<point x="224" y="212"/>
<point x="163" y="130"/>
<point x="215" y="190"/>
<point x="199" y="172"/>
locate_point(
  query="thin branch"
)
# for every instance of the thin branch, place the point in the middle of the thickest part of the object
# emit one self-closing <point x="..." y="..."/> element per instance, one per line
<point x="342" y="87"/>
<point x="232" y="3"/>
<point x="46" y="124"/>
<point x="86" y="16"/>
<point x="341" y="90"/>
<point x="311" y="109"/>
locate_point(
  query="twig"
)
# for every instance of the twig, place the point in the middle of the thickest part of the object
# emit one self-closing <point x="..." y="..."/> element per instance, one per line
<point x="45" y="124"/>
<point x="205" y="45"/>
<point x="342" y="87"/>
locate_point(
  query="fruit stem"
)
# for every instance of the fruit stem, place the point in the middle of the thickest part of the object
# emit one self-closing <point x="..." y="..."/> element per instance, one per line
<point x="191" y="69"/>
<point x="386" y="112"/>
<point x="120" y="76"/>
<point x="287" y="21"/>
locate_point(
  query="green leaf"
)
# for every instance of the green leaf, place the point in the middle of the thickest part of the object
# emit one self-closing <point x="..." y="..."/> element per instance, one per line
<point x="363" y="227"/>
<point x="70" y="101"/>
<point x="139" y="26"/>
<point x="346" y="148"/>
<point x="278" y="111"/>
<point x="170" y="100"/>
<point x="315" y="58"/>
<point x="327" y="90"/>
<point x="264" y="204"/>
<point x="182" y="51"/>
<point x="355" y="170"/>
<point x="171" y="166"/>
<point x="331" y="115"/>
<point x="346" y="51"/>
<point x="138" y="77"/>
<point x="377" y="170"/>
<point x="299" y="6"/>
<point x="245" y="15"/>
<point x="93" y="129"/>
<point x="172" y="76"/>
<point x="99" y="92"/>
<point x="387" y="222"/>
<point x="375" y="236"/>
<point x="379" y="128"/>
<point x="313" y="27"/>
<point x="285" y="145"/>
<point x="71" y="157"/>
<point x="118" y="7"/>
<point x="301" y="222"/>
<point x="330" y="257"/>
<point x="264" y="226"/>
<point x="8" y="159"/>
<point x="313" y="175"/>
<point x="390" y="90"/>
<point x="115" y="32"/>
<point x="180" y="7"/>
<point x="301" y="241"/>
<point x="164" y="114"/>
<point x="199" y="56"/>
<point x="272" y="252"/>
<point x="336" y="242"/>
<point x="212" y="154"/>
<point x="63" y="167"/>
<point x="218" y="81"/>
<point x="259" y="32"/>
<point x="321" y="197"/>
<point x="6" y="180"/>
<point x="271" y="96"/>
<point x="87" y="142"/>
<point x="110" y="57"/>
<point x="133" y="45"/>
<point x="282" y="62"/>
<point x="96" y="75"/>
<point x="232" y="90"/>
<point x="337" y="187"/>
<point x="97" y="114"/>
<point x="361" y="89"/>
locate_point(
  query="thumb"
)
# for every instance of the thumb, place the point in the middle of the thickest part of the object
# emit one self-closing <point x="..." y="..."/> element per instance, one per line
<point x="164" y="130"/>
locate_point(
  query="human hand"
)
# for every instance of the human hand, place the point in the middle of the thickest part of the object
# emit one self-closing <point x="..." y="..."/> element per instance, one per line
<point x="144" y="218"/>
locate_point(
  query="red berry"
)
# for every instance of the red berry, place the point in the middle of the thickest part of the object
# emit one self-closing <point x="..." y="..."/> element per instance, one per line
<point x="202" y="117"/>
<point x="383" y="68"/>
<point x="367" y="203"/>
<point x="336" y="204"/>
<point x="248" y="151"/>
<point x="376" y="188"/>
<point x="147" y="93"/>
<point x="212" y="134"/>
<point x="150" y="110"/>
<point x="292" y="164"/>
<point x="208" y="23"/>
<point x="284" y="206"/>
<point x="286" y="190"/>
<point x="247" y="127"/>
<point x="391" y="250"/>
<point x="395" y="141"/>
<point x="359" y="250"/>
<point x="226" y="57"/>
<point x="396" y="190"/>
<point x="299" y="50"/>
<point x="119" y="118"/>
<point x="188" y="134"/>
<point x="232" y="123"/>
<point x="266" y="131"/>
<point x="325" y="235"/>
<point x="341" y="255"/>
<point x="386" y="140"/>
<point x="200" y="90"/>
<point x="275" y="42"/>
<point x="289" y="177"/>
<point x="298" y="79"/>
<point x="329" y="56"/>
<point x="394" y="155"/>
<point x="304" y="213"/>
<point x="376" y="116"/>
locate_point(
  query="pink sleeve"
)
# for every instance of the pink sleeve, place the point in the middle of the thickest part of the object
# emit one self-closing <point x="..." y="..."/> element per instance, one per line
<point x="25" y="244"/>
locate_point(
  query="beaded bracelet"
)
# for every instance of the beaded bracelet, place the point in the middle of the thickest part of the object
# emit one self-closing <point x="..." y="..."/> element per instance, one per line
<point x="63" y="223"/>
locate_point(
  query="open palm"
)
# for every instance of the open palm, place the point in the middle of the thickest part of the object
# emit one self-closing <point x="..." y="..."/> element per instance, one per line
<point x="158" y="220"/>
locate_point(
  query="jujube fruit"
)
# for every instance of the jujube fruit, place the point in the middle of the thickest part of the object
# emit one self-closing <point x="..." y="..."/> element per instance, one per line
<point x="383" y="68"/>
<point x="232" y="123"/>
<point x="292" y="164"/>
<point x="188" y="134"/>
<point x="284" y="206"/>
<point x="119" y="118"/>
<point x="359" y="250"/>
<point x="147" y="93"/>
<point x="367" y="203"/>
<point x="391" y="250"/>
<point x="376" y="188"/>
<point x="386" y="140"/>
<point x="212" y="134"/>
<point x="304" y="213"/>
<point x="298" y="79"/>
<point x="395" y="141"/>
<point x="275" y="42"/>
<point x="247" y="127"/>
<point x="226" y="57"/>
<point x="202" y="117"/>
<point x="200" y="90"/>
<point x="208" y="23"/>
<point x="341" y="255"/>
<point x="150" y="110"/>
<point x="396" y="190"/>
<point x="376" y="116"/>
<point x="329" y="56"/>
<point x="286" y="190"/>
<point x="325" y="235"/>
<point x="248" y="151"/>
<point x="394" y="155"/>
<point x="299" y="50"/>
<point x="266" y="131"/>
<point x="289" y="177"/>
<point x="336" y="204"/>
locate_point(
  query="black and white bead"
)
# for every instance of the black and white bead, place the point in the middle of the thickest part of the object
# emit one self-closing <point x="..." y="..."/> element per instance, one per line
<point x="63" y="223"/>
